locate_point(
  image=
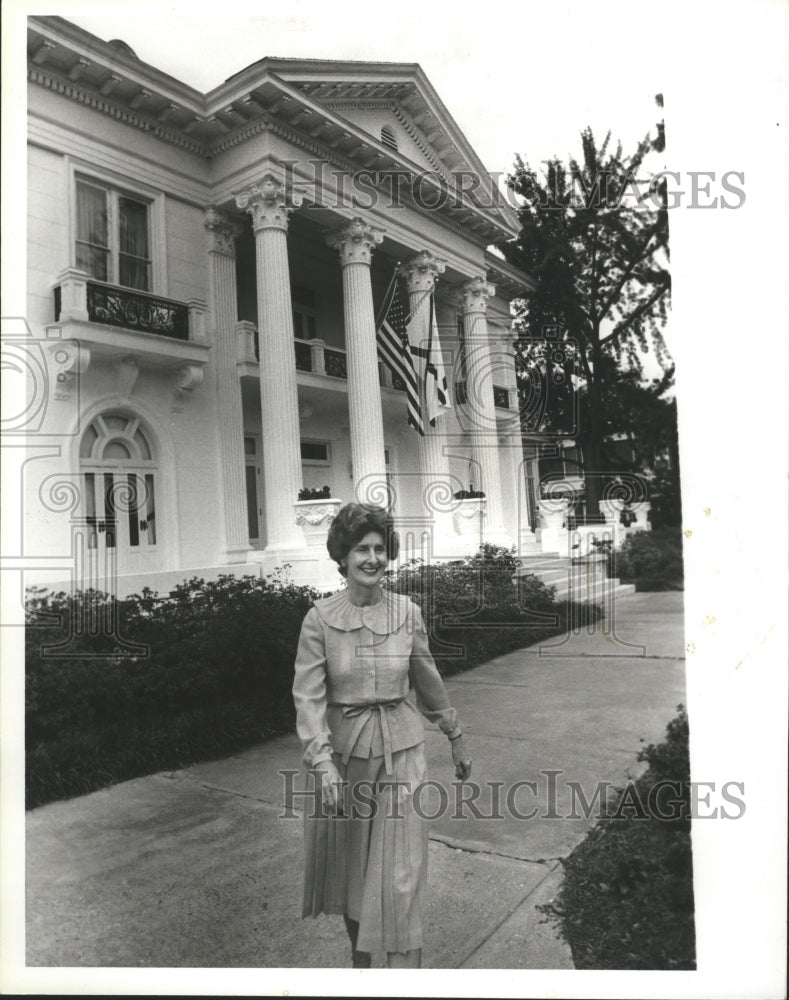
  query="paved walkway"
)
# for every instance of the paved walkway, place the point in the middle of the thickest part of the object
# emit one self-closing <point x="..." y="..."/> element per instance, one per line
<point x="196" y="868"/>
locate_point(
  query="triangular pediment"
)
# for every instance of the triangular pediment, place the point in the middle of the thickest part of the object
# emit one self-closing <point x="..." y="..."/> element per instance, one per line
<point x="388" y="123"/>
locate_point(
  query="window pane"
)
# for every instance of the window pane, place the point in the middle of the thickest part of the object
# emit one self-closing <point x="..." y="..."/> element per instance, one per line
<point x="93" y="260"/>
<point x="89" y="438"/>
<point x="150" y="512"/>
<point x="252" y="503"/>
<point x="311" y="327"/>
<point x="142" y="443"/>
<point x="134" y="525"/>
<point x="315" y="451"/>
<point x="90" y="508"/>
<point x="92" y="215"/>
<point x="109" y="510"/>
<point x="133" y="273"/>
<point x="249" y="446"/>
<point x="117" y="450"/>
<point x="133" y="217"/>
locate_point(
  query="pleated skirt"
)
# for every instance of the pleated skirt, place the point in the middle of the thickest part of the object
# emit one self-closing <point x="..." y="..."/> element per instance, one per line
<point x="371" y="862"/>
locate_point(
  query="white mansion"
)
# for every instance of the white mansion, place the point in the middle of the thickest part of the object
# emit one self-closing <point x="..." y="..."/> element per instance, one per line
<point x="204" y="277"/>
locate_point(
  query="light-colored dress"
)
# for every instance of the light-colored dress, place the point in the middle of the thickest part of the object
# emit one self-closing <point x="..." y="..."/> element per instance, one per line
<point x="364" y="677"/>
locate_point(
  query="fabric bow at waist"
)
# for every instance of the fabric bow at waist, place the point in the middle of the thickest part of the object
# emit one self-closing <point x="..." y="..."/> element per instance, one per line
<point x="362" y="713"/>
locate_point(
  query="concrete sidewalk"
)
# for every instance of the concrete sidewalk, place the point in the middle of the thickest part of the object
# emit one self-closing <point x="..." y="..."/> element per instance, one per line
<point x="197" y="868"/>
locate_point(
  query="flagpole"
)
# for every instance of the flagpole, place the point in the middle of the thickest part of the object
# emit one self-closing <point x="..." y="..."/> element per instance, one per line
<point x="387" y="297"/>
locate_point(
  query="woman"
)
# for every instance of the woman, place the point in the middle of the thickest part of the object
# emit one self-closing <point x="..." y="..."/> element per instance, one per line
<point x="364" y="672"/>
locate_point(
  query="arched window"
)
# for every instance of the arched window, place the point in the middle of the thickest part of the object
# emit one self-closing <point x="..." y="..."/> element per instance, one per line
<point x="388" y="137"/>
<point x="118" y="468"/>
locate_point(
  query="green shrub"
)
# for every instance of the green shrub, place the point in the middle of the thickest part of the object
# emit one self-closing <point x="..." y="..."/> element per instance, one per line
<point x="652" y="559"/>
<point x="477" y="608"/>
<point x="626" y="901"/>
<point x="118" y="689"/>
<point x="183" y="679"/>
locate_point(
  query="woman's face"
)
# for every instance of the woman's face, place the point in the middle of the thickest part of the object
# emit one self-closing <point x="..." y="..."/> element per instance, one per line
<point x="367" y="561"/>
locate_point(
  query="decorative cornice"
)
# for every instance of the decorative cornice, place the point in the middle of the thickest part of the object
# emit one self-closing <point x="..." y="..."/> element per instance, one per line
<point x="268" y="203"/>
<point x="421" y="271"/>
<point x="416" y="136"/>
<point x="355" y="241"/>
<point x="223" y="230"/>
<point x="179" y="136"/>
<point x="359" y="105"/>
<point x="99" y="103"/>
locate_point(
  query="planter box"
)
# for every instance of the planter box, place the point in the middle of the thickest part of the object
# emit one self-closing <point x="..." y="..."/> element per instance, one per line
<point x="468" y="517"/>
<point x="553" y="514"/>
<point x="315" y="516"/>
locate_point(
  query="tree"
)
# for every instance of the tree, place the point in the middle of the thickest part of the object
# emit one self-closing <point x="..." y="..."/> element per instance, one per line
<point x="596" y="240"/>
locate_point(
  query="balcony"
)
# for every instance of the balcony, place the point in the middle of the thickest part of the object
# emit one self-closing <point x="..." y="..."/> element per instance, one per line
<point x="116" y="323"/>
<point x="501" y="395"/>
<point x="313" y="358"/>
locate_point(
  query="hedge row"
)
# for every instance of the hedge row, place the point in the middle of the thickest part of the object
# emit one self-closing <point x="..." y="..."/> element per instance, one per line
<point x="652" y="560"/>
<point x="119" y="689"/>
<point x="626" y="901"/>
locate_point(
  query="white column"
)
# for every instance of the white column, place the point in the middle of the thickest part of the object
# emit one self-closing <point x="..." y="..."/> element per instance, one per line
<point x="511" y="459"/>
<point x="421" y="273"/>
<point x="269" y="207"/>
<point x="230" y="420"/>
<point x="355" y="243"/>
<point x="479" y="410"/>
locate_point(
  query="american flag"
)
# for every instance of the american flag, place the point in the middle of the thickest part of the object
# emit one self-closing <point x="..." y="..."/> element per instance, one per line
<point x="395" y="351"/>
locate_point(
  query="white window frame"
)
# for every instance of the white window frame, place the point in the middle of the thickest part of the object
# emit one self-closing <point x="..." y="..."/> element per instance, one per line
<point x="119" y="185"/>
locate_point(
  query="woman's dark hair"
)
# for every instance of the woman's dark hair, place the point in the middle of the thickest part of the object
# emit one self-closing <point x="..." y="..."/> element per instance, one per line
<point x="352" y="523"/>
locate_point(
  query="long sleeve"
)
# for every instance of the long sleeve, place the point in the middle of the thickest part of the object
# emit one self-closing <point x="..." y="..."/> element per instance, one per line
<point x="309" y="692"/>
<point x="432" y="699"/>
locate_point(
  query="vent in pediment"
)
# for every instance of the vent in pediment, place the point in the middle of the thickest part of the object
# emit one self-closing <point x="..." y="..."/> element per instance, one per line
<point x="388" y="137"/>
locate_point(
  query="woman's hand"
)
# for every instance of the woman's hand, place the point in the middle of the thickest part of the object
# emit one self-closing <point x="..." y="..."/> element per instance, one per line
<point x="331" y="786"/>
<point x="460" y="759"/>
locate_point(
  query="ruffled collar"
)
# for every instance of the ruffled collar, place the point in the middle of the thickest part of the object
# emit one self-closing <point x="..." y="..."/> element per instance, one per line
<point x="383" y="618"/>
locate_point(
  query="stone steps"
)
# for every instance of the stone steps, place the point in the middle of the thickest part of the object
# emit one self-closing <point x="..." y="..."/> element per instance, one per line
<point x="584" y="582"/>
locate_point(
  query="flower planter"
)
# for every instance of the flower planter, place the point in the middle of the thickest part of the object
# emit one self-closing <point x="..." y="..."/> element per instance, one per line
<point x="468" y="517"/>
<point x="315" y="516"/>
<point x="553" y="536"/>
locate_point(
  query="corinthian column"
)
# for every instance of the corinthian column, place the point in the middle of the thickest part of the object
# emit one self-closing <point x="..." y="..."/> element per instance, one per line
<point x="355" y="243"/>
<point x="270" y="209"/>
<point x="222" y="282"/>
<point x="479" y="409"/>
<point x="421" y="273"/>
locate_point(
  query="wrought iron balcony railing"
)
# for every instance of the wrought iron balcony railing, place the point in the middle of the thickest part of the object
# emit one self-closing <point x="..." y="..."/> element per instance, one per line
<point x="130" y="309"/>
<point x="501" y="395"/>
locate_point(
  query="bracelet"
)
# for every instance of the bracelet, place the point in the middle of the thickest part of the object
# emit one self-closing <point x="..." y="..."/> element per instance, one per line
<point x="453" y="738"/>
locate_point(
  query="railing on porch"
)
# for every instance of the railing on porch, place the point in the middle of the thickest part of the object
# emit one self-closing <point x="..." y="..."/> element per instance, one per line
<point x="314" y="357"/>
<point x="130" y="309"/>
<point x="501" y="395"/>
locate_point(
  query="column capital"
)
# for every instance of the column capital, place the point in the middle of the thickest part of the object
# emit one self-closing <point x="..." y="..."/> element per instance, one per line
<point x="223" y="230"/>
<point x="421" y="271"/>
<point x="269" y="204"/>
<point x="472" y="296"/>
<point x="355" y="241"/>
